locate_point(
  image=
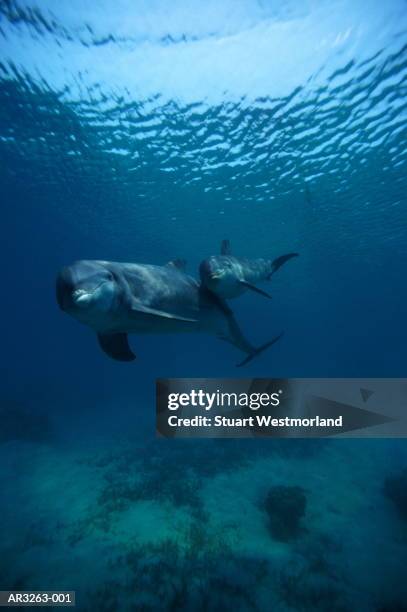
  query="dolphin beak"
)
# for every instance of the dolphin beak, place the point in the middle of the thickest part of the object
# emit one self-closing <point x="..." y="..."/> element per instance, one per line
<point x="81" y="297"/>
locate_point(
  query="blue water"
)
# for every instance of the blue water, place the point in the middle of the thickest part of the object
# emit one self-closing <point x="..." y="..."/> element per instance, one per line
<point x="152" y="130"/>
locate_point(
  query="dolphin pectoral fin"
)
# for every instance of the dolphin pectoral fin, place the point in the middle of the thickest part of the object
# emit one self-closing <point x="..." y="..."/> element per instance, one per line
<point x="277" y="263"/>
<point x="259" y="350"/>
<point x="180" y="264"/>
<point x="162" y="313"/>
<point x="116" y="346"/>
<point x="256" y="289"/>
<point x="225" y="248"/>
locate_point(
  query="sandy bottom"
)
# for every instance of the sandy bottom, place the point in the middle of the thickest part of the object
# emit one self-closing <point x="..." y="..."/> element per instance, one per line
<point x="182" y="525"/>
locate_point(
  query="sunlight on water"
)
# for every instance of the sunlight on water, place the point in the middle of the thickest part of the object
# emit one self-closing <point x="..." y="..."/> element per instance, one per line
<point x="271" y="96"/>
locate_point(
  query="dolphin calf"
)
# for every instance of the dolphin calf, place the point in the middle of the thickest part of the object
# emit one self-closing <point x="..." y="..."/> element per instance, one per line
<point x="117" y="299"/>
<point x="228" y="277"/>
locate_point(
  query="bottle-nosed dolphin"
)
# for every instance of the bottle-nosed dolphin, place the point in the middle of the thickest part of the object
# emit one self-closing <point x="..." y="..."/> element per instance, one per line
<point x="116" y="299"/>
<point x="228" y="276"/>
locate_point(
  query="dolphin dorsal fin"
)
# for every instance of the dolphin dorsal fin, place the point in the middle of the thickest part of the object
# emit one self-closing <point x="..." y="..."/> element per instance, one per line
<point x="225" y="248"/>
<point x="180" y="264"/>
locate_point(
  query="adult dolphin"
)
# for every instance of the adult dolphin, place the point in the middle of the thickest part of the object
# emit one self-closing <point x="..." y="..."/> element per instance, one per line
<point x="116" y="299"/>
<point x="228" y="277"/>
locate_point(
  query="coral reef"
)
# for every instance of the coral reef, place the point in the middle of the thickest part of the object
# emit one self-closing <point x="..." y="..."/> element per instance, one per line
<point x="174" y="577"/>
<point x="285" y="507"/>
<point x="160" y="473"/>
<point x="301" y="589"/>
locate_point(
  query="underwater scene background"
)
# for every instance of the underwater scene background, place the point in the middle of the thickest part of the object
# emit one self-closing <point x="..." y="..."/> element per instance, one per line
<point x="143" y="131"/>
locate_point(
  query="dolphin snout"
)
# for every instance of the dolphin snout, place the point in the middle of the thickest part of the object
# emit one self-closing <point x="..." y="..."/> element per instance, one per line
<point x="208" y="272"/>
<point x="81" y="297"/>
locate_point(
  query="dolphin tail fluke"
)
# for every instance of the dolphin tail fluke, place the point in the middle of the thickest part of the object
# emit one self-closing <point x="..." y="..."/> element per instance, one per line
<point x="259" y="350"/>
<point x="235" y="335"/>
<point x="280" y="261"/>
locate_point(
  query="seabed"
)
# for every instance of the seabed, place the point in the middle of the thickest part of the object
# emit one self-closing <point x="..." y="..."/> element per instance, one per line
<point x="182" y="524"/>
